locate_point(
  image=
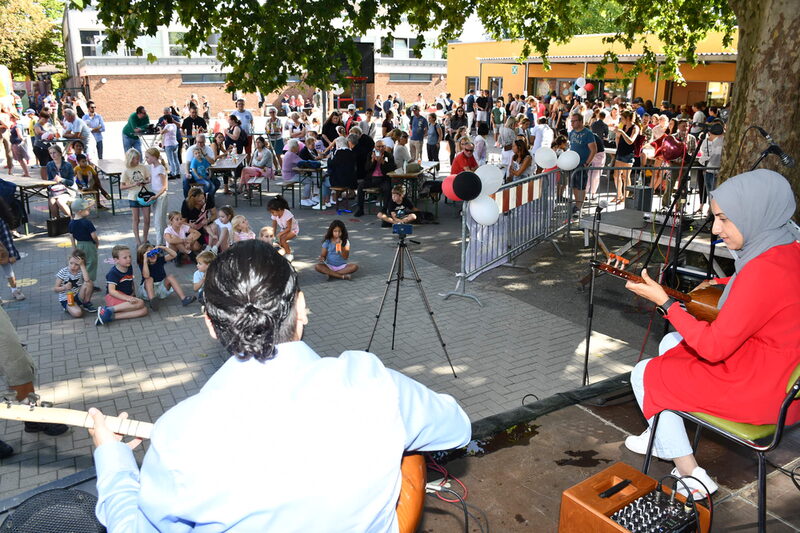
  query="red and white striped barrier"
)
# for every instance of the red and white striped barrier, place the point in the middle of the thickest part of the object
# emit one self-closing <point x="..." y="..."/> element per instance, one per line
<point x="512" y="197"/>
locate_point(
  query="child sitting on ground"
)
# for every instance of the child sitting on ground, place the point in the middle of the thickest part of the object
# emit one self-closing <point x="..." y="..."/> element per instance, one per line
<point x="199" y="279"/>
<point x="241" y="229"/>
<point x="74" y="286"/>
<point x="181" y="237"/>
<point x="155" y="281"/>
<point x="220" y="233"/>
<point x="281" y="216"/>
<point x="120" y="301"/>
<point x="399" y="210"/>
<point x="335" y="252"/>
<point x="267" y="235"/>
<point x="84" y="235"/>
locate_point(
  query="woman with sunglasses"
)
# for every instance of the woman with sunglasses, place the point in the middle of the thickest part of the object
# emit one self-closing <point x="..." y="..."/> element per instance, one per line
<point x="457" y="120"/>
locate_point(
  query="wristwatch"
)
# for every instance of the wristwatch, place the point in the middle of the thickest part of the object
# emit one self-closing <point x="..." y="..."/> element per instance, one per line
<point x="663" y="309"/>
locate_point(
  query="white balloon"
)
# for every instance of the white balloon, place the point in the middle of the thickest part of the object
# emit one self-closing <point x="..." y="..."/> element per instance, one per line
<point x="484" y="210"/>
<point x="337" y="90"/>
<point x="569" y="160"/>
<point x="491" y="178"/>
<point x="581" y="92"/>
<point x="580" y="82"/>
<point x="545" y="157"/>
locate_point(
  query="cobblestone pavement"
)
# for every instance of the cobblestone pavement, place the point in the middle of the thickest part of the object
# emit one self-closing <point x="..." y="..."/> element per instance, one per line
<point x="501" y="351"/>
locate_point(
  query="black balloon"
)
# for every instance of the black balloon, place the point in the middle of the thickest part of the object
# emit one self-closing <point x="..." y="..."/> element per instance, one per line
<point x="467" y="186"/>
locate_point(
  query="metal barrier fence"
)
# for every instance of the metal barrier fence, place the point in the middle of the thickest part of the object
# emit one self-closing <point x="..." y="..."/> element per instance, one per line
<point x="531" y="212"/>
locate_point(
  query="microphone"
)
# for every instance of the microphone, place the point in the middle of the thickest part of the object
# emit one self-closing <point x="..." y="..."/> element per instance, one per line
<point x="601" y="205"/>
<point x="773" y="148"/>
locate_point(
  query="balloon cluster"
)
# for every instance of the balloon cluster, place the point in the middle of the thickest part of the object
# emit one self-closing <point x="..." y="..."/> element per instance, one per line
<point x="583" y="87"/>
<point x="475" y="188"/>
<point x="547" y="159"/>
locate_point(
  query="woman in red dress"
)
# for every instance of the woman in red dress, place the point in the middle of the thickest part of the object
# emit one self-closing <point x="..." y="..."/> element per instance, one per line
<point x="737" y="367"/>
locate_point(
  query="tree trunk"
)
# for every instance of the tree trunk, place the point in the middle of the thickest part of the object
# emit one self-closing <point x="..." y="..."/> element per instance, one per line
<point x="767" y="88"/>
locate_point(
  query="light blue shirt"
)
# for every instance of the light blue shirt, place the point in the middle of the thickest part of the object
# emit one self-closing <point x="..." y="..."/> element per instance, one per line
<point x="299" y="443"/>
<point x="95" y="122"/>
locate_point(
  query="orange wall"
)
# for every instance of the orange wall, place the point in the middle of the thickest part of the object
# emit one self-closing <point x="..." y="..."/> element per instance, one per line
<point x="463" y="61"/>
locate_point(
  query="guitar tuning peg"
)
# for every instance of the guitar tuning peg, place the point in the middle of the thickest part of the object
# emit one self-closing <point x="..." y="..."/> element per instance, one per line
<point x="32" y="399"/>
<point x="7" y="402"/>
<point x="45" y="404"/>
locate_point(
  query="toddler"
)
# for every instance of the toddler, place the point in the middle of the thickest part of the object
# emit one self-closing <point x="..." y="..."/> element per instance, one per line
<point x="84" y="235"/>
<point x="241" y="229"/>
<point x="181" y="237"/>
<point x="156" y="283"/>
<point x="204" y="259"/>
<point x="335" y="252"/>
<point x="267" y="235"/>
<point x="86" y="178"/>
<point x="120" y="301"/>
<point x="74" y="286"/>
<point x="283" y="218"/>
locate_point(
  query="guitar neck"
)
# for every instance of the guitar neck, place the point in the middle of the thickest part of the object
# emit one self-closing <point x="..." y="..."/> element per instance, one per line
<point x="622" y="274"/>
<point x="72" y="417"/>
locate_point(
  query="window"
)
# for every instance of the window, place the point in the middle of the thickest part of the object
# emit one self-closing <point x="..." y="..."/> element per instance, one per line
<point x="612" y="88"/>
<point x="495" y="87"/>
<point x="176" y="48"/>
<point x="92" y="42"/>
<point x="203" y="78"/>
<point x="146" y="44"/>
<point x="542" y="86"/>
<point x="472" y="83"/>
<point x="212" y="41"/>
<point x="718" y="93"/>
<point x="423" y="78"/>
<point x="400" y="50"/>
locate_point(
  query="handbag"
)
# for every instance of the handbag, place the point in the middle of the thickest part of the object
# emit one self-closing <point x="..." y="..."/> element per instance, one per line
<point x="145" y="197"/>
<point x="57" y="226"/>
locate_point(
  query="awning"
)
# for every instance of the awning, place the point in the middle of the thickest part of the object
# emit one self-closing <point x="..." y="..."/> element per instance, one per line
<point x="725" y="57"/>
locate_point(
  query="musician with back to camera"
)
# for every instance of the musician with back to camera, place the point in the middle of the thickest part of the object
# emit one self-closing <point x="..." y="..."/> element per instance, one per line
<point x="279" y="439"/>
<point x="738" y="366"/>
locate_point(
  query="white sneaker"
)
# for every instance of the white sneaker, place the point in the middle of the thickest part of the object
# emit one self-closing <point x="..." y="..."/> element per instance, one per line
<point x="289" y="257"/>
<point x="319" y="207"/>
<point x="315" y="198"/>
<point x="17" y="294"/>
<point x="638" y="443"/>
<point x="308" y="202"/>
<point x="698" y="492"/>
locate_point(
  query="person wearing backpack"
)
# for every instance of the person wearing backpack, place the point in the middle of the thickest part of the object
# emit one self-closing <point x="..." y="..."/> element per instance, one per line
<point x="434" y="137"/>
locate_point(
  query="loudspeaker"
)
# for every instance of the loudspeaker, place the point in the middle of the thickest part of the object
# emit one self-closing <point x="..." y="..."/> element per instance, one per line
<point x="55" y="511"/>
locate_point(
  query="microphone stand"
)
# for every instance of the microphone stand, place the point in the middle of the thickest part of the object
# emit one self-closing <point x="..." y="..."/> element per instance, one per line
<point x="590" y="310"/>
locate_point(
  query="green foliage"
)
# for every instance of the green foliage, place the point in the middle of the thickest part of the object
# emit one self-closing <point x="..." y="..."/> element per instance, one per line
<point x="35" y="36"/>
<point x="266" y="43"/>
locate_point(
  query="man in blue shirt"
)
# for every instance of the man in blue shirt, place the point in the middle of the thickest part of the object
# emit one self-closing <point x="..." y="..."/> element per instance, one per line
<point x="582" y="141"/>
<point x="469" y="102"/>
<point x="419" y="128"/>
<point x="95" y="122"/>
<point x="231" y="457"/>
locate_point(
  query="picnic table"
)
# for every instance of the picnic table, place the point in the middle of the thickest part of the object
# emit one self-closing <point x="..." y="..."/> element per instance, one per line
<point x="306" y="173"/>
<point x="112" y="169"/>
<point x="413" y="179"/>
<point x="27" y="188"/>
<point x="232" y="164"/>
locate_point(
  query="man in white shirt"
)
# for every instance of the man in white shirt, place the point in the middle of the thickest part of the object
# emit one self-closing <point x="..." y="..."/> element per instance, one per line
<point x="95" y="122"/>
<point x="75" y="128"/>
<point x="227" y="459"/>
<point x="246" y="118"/>
<point x="699" y="117"/>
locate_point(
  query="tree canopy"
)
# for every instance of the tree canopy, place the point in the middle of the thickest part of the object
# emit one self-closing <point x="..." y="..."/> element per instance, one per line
<point x="266" y="43"/>
<point x="31" y="34"/>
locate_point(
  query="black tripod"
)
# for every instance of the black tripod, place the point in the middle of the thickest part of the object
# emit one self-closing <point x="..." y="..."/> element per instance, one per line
<point x="397" y="274"/>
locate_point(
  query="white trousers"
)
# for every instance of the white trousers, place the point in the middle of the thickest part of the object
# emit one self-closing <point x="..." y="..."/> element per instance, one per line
<point x="671" y="439"/>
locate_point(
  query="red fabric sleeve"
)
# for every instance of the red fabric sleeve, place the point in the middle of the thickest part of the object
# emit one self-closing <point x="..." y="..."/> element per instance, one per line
<point x="749" y="306"/>
<point x="723" y="281"/>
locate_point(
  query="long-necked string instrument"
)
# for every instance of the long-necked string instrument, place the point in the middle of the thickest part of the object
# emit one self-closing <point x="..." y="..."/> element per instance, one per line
<point x="72" y="417"/>
<point x="700" y="303"/>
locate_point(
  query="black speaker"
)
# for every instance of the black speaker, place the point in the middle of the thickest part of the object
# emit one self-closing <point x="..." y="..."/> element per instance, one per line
<point x="55" y="511"/>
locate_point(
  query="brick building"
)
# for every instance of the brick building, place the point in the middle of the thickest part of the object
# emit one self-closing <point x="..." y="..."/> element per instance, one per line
<point x="119" y="80"/>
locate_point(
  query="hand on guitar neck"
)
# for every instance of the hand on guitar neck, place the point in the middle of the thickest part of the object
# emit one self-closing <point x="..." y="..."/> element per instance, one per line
<point x="648" y="289"/>
<point x="101" y="433"/>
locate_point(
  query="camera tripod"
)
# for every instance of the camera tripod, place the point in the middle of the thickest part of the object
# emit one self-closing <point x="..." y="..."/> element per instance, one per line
<point x="397" y="274"/>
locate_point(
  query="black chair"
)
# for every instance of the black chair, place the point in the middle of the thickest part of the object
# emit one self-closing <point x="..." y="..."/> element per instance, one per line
<point x="759" y="438"/>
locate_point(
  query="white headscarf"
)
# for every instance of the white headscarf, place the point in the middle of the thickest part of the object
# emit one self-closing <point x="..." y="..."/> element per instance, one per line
<point x="761" y="204"/>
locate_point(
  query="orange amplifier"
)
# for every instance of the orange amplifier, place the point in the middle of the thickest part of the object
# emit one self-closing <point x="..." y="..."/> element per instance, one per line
<point x="634" y="507"/>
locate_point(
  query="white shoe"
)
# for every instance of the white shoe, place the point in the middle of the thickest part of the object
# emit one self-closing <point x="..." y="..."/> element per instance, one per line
<point x="315" y="198"/>
<point x="308" y="202"/>
<point x="638" y="443"/>
<point x="319" y="207"/>
<point x="17" y="294"/>
<point x="289" y="257"/>
<point x="329" y="205"/>
<point x="697" y="489"/>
